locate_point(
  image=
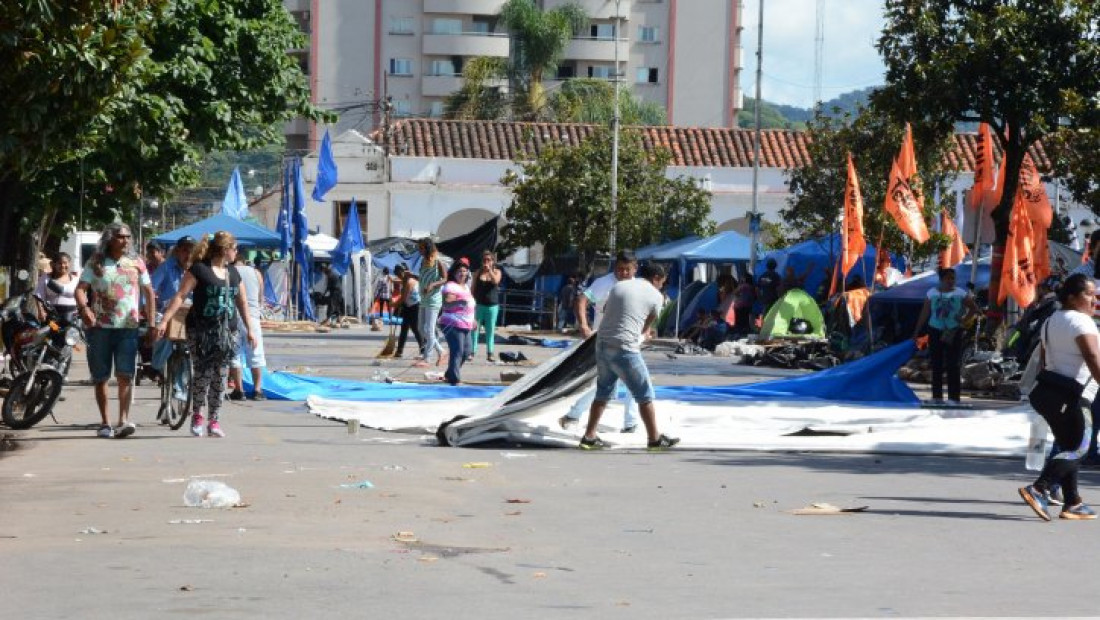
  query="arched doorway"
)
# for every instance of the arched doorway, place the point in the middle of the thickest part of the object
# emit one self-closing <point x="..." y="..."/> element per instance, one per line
<point x="461" y="222"/>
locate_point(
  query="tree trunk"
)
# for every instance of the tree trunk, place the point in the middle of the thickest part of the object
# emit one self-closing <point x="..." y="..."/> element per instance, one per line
<point x="1014" y="152"/>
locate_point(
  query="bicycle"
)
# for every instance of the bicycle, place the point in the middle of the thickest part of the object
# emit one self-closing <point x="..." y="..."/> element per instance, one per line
<point x="175" y="386"/>
<point x="175" y="383"/>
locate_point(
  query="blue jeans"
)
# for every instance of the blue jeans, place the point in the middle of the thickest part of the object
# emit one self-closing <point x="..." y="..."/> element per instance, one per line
<point x="107" y="346"/>
<point x="458" y="343"/>
<point x="614" y="364"/>
<point x="428" y="317"/>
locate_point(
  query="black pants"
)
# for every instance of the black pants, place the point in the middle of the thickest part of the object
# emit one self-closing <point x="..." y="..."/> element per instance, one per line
<point x="410" y="317"/>
<point x="945" y="354"/>
<point x="1072" y="433"/>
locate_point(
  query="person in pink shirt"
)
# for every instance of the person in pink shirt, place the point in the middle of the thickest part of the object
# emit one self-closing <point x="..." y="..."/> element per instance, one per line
<point x="456" y="320"/>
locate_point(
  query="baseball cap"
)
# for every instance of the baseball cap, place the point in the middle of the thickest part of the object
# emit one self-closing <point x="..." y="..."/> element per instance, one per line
<point x="186" y="240"/>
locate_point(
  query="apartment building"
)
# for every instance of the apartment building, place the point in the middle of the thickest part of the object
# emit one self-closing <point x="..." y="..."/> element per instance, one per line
<point x="682" y="54"/>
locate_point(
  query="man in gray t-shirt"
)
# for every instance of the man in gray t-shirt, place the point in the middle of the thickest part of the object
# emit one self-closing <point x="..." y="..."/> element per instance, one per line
<point x="631" y="309"/>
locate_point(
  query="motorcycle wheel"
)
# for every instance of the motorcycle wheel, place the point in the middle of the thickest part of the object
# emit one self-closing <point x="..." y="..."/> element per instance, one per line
<point x="23" y="408"/>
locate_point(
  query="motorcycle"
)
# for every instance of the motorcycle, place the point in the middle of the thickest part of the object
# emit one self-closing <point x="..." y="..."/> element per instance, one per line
<point x="40" y="354"/>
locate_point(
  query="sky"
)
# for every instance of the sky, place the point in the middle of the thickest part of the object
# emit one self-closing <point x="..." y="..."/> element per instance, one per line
<point x="850" y="60"/>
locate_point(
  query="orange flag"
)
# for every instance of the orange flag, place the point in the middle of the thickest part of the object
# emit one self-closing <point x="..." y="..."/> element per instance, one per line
<point x="907" y="161"/>
<point x="854" y="245"/>
<point x="903" y="206"/>
<point x="1017" y="273"/>
<point x="956" y="252"/>
<point x="1040" y="213"/>
<point x="982" y="193"/>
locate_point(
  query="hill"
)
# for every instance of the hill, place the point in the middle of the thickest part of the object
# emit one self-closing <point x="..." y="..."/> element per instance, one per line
<point x="780" y="116"/>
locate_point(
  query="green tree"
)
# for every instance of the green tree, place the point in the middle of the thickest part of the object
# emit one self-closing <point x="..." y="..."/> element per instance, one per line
<point x="592" y="101"/>
<point x="1020" y="65"/>
<point x="213" y="76"/>
<point x="874" y="140"/>
<point x="68" y="69"/>
<point x="562" y="199"/>
<point x="770" y="117"/>
<point x="538" y="39"/>
<point x="480" y="97"/>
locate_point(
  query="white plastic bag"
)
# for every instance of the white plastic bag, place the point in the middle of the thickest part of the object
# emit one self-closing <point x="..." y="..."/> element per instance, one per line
<point x="210" y="494"/>
<point x="1038" y="444"/>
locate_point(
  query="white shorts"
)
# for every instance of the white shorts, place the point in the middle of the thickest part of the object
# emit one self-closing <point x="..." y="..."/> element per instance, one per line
<point x="247" y="357"/>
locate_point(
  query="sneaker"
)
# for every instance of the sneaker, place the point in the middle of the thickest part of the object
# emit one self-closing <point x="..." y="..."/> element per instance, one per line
<point x="216" y="430"/>
<point x="593" y="444"/>
<point x="1054" y="496"/>
<point x="664" y="442"/>
<point x="489" y="358"/>
<point x="259" y="396"/>
<point x="1080" y="512"/>
<point x="125" y="430"/>
<point x="105" y="431"/>
<point x="1036" y="501"/>
<point x="197" y="428"/>
<point x="236" y="395"/>
<point x="630" y="428"/>
<point x="566" y="422"/>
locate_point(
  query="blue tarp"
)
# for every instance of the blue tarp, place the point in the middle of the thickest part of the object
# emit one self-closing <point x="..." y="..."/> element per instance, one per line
<point x="822" y="254"/>
<point x="869" y="381"/>
<point x="246" y="233"/>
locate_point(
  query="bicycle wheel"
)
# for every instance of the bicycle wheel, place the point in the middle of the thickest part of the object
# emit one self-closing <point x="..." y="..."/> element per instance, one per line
<point x="176" y="395"/>
<point x="25" y="406"/>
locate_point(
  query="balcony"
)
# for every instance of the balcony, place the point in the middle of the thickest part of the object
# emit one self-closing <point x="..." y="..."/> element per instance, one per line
<point x="596" y="9"/>
<point x="603" y="50"/>
<point x="476" y="7"/>
<point x="439" y="85"/>
<point x="466" y="44"/>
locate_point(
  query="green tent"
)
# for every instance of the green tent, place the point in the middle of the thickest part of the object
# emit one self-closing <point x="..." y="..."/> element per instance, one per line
<point x="794" y="304"/>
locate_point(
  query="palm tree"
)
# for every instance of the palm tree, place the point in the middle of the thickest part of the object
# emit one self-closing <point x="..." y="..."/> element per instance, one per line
<point x="538" y="42"/>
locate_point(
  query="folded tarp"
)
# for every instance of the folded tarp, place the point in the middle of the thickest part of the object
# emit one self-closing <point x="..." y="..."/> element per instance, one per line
<point x="869" y="381"/>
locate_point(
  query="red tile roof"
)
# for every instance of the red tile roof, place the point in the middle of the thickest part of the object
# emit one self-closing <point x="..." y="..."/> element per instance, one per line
<point x="690" y="146"/>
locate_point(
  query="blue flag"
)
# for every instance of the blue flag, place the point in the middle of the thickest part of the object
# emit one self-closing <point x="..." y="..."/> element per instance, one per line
<point x="326" y="170"/>
<point x="303" y="258"/>
<point x="283" y="225"/>
<point x="351" y="241"/>
<point x="235" y="203"/>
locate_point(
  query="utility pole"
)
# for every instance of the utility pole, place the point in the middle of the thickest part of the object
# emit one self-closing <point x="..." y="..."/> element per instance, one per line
<point x="754" y="218"/>
<point x="615" y="133"/>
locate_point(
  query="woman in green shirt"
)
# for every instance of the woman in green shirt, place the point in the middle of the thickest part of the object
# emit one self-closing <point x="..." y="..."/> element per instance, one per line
<point x="432" y="278"/>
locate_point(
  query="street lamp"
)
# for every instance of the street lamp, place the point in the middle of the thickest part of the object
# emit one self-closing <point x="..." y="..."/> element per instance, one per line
<point x="754" y="218"/>
<point x="615" y="132"/>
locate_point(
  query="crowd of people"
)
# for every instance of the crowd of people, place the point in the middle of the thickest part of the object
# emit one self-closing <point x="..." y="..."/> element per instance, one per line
<point x="117" y="295"/>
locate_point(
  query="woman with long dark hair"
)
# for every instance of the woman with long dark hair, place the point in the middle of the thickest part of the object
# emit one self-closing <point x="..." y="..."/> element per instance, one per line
<point x="219" y="295"/>
<point x="1070" y="347"/>
<point x="457" y="319"/>
<point x="486" y="291"/>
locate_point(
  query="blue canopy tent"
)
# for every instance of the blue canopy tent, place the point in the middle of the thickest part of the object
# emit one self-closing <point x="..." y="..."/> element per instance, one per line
<point x="247" y="234"/>
<point x="724" y="247"/>
<point x="669" y="248"/>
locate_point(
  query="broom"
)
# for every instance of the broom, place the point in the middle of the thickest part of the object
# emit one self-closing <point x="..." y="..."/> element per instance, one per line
<point x="390" y="347"/>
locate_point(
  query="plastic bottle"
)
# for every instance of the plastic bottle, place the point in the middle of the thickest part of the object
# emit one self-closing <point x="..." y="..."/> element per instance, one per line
<point x="1038" y="444"/>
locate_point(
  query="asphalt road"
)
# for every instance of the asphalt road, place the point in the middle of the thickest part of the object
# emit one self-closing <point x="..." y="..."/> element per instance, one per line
<point x="98" y="528"/>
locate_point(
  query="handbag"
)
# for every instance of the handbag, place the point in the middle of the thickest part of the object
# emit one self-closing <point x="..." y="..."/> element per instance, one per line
<point x="1054" y="393"/>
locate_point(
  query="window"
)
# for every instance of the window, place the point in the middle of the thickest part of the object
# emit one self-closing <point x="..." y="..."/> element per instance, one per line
<point x="482" y="25"/>
<point x="401" y="66"/>
<point x="649" y="34"/>
<point x="443" y="67"/>
<point x="436" y="110"/>
<point x="603" y="73"/>
<point x="401" y="107"/>
<point x="446" y="26"/>
<point x="602" y="31"/>
<point x="645" y="75"/>
<point x="566" y="72"/>
<point x="342" y="217"/>
<point x="401" y="25"/>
